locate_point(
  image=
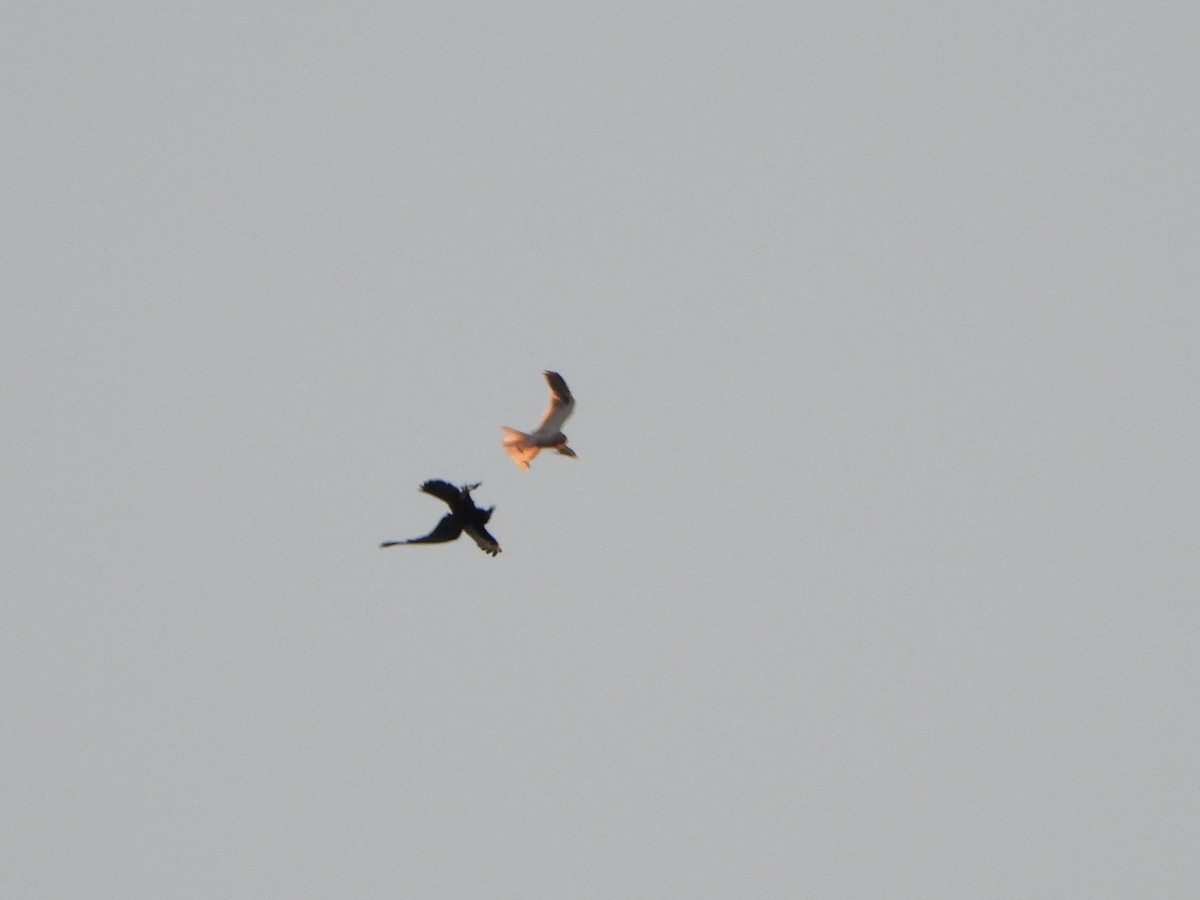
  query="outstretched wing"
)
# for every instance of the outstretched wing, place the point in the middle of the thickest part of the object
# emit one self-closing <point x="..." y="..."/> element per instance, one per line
<point x="562" y="404"/>
<point x="483" y="539"/>
<point x="447" y="530"/>
<point x="444" y="491"/>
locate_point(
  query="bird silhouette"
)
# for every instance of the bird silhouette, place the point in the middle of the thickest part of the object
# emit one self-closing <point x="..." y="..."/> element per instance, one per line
<point x="524" y="447"/>
<point x="464" y="516"/>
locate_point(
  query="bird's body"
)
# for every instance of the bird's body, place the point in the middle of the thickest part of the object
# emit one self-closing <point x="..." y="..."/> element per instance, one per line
<point x="464" y="516"/>
<point x="524" y="447"/>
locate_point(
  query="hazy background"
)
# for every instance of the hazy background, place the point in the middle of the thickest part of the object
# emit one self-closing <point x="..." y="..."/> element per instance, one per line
<point x="876" y="575"/>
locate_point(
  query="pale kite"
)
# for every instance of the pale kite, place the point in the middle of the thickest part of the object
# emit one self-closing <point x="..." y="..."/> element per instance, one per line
<point x="464" y="516"/>
<point x="524" y="447"/>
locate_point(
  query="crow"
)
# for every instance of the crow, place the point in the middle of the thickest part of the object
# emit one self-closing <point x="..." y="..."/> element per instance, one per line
<point x="464" y="515"/>
<point x="524" y="447"/>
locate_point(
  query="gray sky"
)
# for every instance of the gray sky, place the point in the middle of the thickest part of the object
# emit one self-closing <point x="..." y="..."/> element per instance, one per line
<point x="876" y="574"/>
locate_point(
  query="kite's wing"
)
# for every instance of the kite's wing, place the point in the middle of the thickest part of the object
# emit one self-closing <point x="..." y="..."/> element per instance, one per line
<point x="562" y="404"/>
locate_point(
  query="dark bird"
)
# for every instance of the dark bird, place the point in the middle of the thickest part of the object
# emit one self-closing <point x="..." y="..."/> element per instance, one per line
<point x="464" y="516"/>
<point x="524" y="447"/>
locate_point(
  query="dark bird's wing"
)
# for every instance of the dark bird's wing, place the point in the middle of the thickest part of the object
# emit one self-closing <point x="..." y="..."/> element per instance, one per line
<point x="447" y="530"/>
<point x="562" y="404"/>
<point x="444" y="491"/>
<point x="483" y="539"/>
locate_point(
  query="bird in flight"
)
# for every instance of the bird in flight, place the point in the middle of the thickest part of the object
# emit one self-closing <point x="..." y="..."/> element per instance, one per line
<point x="464" y="516"/>
<point x="524" y="447"/>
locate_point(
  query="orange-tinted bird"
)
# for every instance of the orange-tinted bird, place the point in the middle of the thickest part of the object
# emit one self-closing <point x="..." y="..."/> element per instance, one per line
<point x="524" y="447"/>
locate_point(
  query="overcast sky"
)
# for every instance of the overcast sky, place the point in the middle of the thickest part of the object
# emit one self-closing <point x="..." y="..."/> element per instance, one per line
<point x="876" y="575"/>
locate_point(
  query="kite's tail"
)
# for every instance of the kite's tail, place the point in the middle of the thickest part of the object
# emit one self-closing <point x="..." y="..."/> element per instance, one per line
<point x="516" y="443"/>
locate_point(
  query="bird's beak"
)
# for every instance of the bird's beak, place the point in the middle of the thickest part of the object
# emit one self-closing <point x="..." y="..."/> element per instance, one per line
<point x="567" y="451"/>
